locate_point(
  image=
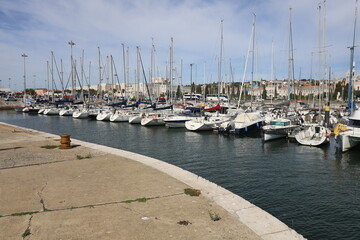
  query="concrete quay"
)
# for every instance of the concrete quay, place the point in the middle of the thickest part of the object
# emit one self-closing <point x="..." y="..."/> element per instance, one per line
<point x="97" y="192"/>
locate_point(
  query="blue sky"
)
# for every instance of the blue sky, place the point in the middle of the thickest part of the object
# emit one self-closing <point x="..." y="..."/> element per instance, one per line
<point x="37" y="27"/>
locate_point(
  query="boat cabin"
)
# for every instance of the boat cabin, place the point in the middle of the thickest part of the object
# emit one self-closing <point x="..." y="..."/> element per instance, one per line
<point x="280" y="123"/>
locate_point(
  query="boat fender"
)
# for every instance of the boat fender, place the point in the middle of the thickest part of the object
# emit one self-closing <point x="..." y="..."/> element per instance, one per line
<point x="154" y="117"/>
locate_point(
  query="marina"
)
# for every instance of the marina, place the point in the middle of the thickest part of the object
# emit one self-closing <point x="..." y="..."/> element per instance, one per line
<point x="254" y="102"/>
<point x="313" y="190"/>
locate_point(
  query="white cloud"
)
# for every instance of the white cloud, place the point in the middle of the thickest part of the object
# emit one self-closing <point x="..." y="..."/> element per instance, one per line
<point x="39" y="27"/>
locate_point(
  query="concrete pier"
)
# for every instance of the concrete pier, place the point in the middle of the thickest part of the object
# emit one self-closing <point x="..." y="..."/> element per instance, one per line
<point x="96" y="192"/>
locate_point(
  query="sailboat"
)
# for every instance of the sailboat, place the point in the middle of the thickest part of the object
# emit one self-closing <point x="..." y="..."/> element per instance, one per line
<point x="315" y="134"/>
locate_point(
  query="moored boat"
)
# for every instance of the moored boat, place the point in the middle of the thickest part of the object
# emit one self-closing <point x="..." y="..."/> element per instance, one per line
<point x="278" y="128"/>
<point x="313" y="135"/>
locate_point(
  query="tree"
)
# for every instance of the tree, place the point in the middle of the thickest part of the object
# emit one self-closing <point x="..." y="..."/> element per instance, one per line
<point x="198" y="89"/>
<point x="30" y="91"/>
<point x="178" y="92"/>
<point x="338" y="89"/>
<point x="264" y="93"/>
<point x="206" y="89"/>
<point x="193" y="87"/>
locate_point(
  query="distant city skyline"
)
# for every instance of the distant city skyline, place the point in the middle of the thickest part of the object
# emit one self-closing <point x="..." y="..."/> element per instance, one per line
<point x="39" y="27"/>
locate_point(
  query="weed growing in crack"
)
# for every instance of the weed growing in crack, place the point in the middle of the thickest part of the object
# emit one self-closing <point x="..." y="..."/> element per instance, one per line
<point x="24" y="213"/>
<point x="50" y="146"/>
<point x="83" y="157"/>
<point x="137" y="200"/>
<point x="192" y="192"/>
<point x="26" y="233"/>
<point x="214" y="216"/>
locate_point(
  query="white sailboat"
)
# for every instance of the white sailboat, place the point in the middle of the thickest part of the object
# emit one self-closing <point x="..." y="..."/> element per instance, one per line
<point x="122" y="115"/>
<point x="104" y="114"/>
<point x="206" y="123"/>
<point x="51" y="111"/>
<point x="177" y="121"/>
<point x="137" y="118"/>
<point x="80" y="113"/>
<point x="66" y="111"/>
<point x="153" y="119"/>
<point x="313" y="135"/>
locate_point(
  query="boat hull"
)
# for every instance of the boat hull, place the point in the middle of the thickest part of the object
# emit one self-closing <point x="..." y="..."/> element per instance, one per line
<point x="80" y="115"/>
<point x="152" y="121"/>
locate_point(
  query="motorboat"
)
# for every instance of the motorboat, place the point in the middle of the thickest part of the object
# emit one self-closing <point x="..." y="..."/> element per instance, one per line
<point x="278" y="128"/>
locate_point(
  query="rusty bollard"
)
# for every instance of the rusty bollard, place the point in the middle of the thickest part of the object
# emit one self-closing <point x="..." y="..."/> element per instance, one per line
<point x="65" y="141"/>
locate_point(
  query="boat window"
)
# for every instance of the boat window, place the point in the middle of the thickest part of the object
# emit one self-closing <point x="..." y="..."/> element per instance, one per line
<point x="275" y="123"/>
<point x="355" y="123"/>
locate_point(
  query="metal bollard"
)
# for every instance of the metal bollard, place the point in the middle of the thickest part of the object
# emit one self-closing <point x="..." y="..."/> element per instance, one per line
<point x="65" y="141"/>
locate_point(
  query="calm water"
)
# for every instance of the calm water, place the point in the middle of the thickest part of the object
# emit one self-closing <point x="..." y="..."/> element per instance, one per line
<point x="316" y="191"/>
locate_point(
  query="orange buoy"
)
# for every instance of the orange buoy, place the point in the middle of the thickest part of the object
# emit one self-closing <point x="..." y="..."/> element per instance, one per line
<point x="65" y="141"/>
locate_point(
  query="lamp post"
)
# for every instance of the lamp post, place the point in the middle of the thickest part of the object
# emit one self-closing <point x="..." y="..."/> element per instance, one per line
<point x="24" y="56"/>
<point x="71" y="43"/>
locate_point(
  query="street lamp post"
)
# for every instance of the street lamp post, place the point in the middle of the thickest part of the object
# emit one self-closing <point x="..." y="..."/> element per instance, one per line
<point x="24" y="56"/>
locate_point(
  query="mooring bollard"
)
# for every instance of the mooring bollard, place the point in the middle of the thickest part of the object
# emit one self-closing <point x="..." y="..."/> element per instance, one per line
<point x="65" y="141"/>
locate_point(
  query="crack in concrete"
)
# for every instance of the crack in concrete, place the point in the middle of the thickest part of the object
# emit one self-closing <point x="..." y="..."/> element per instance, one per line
<point x="96" y="204"/>
<point x="41" y="198"/>
<point x="27" y="231"/>
<point x="44" y="163"/>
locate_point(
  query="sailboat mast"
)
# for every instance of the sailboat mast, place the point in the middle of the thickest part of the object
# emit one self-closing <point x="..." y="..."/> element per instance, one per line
<point x="352" y="65"/>
<point x="291" y="77"/>
<point x="171" y="68"/>
<point x="48" y="79"/>
<point x="220" y="59"/>
<point x="62" y="78"/>
<point x="24" y="56"/>
<point x="253" y="60"/>
<point x="272" y="78"/>
<point x="99" y="88"/>
<point x="245" y="66"/>
<point x="112" y="77"/>
<point x="124" y="65"/>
